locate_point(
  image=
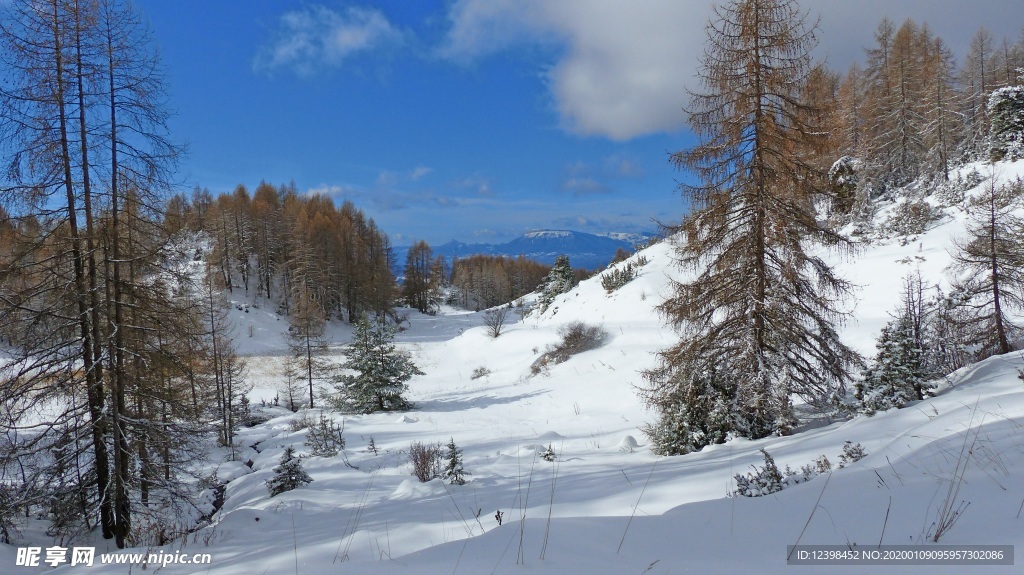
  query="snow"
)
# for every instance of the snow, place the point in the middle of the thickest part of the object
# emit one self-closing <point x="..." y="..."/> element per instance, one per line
<point x="606" y="504"/>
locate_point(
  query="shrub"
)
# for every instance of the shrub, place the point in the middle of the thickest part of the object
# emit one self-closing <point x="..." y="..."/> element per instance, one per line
<point x="304" y="421"/>
<point x="763" y="481"/>
<point x="480" y="372"/>
<point x="621" y="276"/>
<point x="325" y="438"/>
<point x="618" y="277"/>
<point x="426" y="460"/>
<point x="577" y="337"/>
<point x="852" y="452"/>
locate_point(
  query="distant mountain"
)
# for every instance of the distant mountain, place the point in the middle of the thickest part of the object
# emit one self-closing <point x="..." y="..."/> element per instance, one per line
<point x="585" y="250"/>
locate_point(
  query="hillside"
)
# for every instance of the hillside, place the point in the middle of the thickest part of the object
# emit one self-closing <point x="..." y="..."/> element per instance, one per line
<point x="607" y="504"/>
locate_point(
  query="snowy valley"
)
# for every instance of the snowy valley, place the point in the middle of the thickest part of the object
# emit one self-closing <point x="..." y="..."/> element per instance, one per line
<point x="605" y="503"/>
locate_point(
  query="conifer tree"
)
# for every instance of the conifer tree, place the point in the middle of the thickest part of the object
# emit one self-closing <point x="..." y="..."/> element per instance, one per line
<point x="306" y="343"/>
<point x="453" y="470"/>
<point x="382" y="371"/>
<point x="991" y="265"/>
<point x="559" y="280"/>
<point x="898" y="373"/>
<point x="288" y="475"/>
<point x="761" y="311"/>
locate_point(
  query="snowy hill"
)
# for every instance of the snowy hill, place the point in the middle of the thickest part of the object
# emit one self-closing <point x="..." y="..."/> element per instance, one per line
<point x="606" y="504"/>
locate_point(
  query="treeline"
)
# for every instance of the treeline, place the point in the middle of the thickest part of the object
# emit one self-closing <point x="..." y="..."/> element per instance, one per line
<point x="284" y="246"/>
<point x="910" y="109"/>
<point x="476" y="282"/>
<point x="483" y="281"/>
<point x="114" y="356"/>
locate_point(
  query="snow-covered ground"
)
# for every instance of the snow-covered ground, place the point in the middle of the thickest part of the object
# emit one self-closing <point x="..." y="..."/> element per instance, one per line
<point x="607" y="504"/>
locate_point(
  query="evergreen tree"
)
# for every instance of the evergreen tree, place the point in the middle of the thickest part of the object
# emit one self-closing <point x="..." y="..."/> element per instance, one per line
<point x="898" y="373"/>
<point x="1006" y="113"/>
<point x="382" y="371"/>
<point x="559" y="280"/>
<point x="698" y="413"/>
<point x="761" y="310"/>
<point x="288" y="475"/>
<point x="453" y="470"/>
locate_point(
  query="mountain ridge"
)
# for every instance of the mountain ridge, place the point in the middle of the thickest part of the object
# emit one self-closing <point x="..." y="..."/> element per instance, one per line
<point x="586" y="250"/>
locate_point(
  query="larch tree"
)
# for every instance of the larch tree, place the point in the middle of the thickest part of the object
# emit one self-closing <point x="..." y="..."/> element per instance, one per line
<point x="306" y="343"/>
<point x="758" y="320"/>
<point x="990" y="266"/>
<point x="86" y="146"/>
<point x="421" y="288"/>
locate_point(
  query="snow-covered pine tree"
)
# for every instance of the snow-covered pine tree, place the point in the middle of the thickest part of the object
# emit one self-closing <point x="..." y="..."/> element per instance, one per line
<point x="558" y="281"/>
<point x="897" y="375"/>
<point x="381" y="371"/>
<point x="454" y="472"/>
<point x="1006" y="131"/>
<point x="288" y="475"/>
<point x="697" y="415"/>
<point x="761" y="309"/>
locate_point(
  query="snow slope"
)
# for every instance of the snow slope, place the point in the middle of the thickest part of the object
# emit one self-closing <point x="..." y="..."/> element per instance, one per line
<point x="607" y="504"/>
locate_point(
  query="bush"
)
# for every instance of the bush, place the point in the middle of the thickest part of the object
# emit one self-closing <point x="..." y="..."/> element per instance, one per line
<point x="426" y="460"/>
<point x="577" y="337"/>
<point x="763" y="481"/>
<point x="325" y="438"/>
<point x="852" y="452"/>
<point x="622" y="275"/>
<point x="618" y="277"/>
<point x="304" y="421"/>
<point x="480" y="372"/>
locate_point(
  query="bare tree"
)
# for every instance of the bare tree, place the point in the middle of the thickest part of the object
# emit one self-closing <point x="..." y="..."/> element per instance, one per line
<point x="494" y="320"/>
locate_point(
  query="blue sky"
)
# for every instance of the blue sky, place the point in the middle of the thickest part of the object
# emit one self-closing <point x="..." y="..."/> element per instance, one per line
<point x="473" y="120"/>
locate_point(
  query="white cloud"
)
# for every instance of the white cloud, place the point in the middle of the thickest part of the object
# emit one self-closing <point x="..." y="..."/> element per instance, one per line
<point x="621" y="69"/>
<point x="316" y="36"/>
<point x="582" y="186"/>
<point x="420" y="172"/>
